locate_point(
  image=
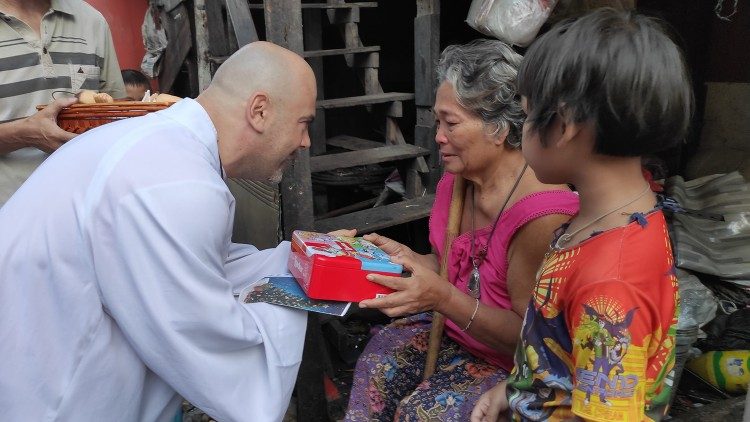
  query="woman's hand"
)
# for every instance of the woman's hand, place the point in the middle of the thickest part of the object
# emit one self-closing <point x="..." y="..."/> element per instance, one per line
<point x="389" y="246"/>
<point x="490" y="406"/>
<point x="393" y="248"/>
<point x="424" y="290"/>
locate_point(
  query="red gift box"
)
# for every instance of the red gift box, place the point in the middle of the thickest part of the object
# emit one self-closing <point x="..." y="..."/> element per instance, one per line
<point x="334" y="267"/>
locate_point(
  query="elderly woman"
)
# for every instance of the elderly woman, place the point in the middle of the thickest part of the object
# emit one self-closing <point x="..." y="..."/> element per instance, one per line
<point x="507" y="223"/>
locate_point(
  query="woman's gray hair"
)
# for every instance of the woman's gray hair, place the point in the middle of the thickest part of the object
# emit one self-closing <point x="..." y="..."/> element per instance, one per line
<point x="483" y="74"/>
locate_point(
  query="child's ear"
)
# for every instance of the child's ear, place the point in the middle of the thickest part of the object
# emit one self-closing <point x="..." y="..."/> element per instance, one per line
<point x="568" y="130"/>
<point x="257" y="110"/>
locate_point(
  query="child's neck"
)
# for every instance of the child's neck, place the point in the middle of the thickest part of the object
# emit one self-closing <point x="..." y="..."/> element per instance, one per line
<point x="608" y="182"/>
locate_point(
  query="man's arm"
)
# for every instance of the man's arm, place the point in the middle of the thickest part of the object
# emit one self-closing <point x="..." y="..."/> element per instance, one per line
<point x="39" y="130"/>
<point x="265" y="263"/>
<point x="160" y="264"/>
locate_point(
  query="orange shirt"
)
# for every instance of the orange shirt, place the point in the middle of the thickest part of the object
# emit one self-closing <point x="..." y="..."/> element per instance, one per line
<point x="598" y="337"/>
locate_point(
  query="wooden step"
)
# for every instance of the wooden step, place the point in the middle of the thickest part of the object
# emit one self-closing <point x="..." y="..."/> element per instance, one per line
<point x="340" y="51"/>
<point x="353" y="143"/>
<point x="365" y="100"/>
<point x="364" y="157"/>
<point x="373" y="219"/>
<point x="328" y="6"/>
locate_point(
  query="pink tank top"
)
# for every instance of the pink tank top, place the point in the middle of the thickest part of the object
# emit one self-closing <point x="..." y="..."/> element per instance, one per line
<point x="493" y="271"/>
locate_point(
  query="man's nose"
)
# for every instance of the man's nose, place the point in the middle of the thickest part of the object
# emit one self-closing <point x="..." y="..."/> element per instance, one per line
<point x="306" y="140"/>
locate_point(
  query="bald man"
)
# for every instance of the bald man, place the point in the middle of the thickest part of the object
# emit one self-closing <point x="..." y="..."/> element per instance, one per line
<point x="117" y="271"/>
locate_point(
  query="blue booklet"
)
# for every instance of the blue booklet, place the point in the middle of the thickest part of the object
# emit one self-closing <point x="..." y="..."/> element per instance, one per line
<point x="285" y="291"/>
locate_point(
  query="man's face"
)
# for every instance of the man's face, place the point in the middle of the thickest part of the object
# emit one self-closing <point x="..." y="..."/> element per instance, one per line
<point x="287" y="133"/>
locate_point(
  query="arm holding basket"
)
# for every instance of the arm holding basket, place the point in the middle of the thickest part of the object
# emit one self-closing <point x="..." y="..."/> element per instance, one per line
<point x="39" y="130"/>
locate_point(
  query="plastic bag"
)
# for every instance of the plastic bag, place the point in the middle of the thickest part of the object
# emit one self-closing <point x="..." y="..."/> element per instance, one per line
<point x="697" y="302"/>
<point x="513" y="21"/>
<point x="155" y="41"/>
<point x="728" y="332"/>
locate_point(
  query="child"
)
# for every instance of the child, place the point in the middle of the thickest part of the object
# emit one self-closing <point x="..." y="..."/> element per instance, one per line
<point x="136" y="84"/>
<point x="598" y="336"/>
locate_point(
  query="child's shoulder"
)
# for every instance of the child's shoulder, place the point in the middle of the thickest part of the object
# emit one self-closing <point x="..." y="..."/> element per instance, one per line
<point x="636" y="252"/>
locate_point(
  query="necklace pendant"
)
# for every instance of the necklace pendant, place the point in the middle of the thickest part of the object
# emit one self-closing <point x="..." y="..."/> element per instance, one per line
<point x="474" y="283"/>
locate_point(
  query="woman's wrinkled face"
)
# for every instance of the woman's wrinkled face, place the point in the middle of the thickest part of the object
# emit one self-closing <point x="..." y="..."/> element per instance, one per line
<point x="466" y="147"/>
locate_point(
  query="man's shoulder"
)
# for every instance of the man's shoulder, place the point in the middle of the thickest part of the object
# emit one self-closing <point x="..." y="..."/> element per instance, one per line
<point x="84" y="12"/>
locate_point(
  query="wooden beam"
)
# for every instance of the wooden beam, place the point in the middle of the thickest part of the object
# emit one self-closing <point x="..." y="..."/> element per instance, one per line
<point x="329" y="6"/>
<point x="284" y="23"/>
<point x="313" y="40"/>
<point x="364" y="100"/>
<point x="426" y="56"/>
<point x="202" y="45"/>
<point x="381" y="217"/>
<point x="367" y="60"/>
<point x="426" y="51"/>
<point x="284" y="27"/>
<point x="340" y="51"/>
<point x="394" y="136"/>
<point x="244" y="27"/>
<point x="349" y="208"/>
<point x="352" y="143"/>
<point x="363" y="157"/>
<point x="312" y="22"/>
<point x="218" y="44"/>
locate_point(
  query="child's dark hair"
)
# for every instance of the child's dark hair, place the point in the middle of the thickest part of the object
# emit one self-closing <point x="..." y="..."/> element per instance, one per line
<point x="616" y="69"/>
<point x="134" y="77"/>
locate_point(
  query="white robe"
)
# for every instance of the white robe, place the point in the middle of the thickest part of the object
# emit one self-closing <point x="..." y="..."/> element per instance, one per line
<point x="116" y="280"/>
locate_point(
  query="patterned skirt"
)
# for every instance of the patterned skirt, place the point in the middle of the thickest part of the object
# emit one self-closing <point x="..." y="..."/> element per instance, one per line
<point x="388" y="383"/>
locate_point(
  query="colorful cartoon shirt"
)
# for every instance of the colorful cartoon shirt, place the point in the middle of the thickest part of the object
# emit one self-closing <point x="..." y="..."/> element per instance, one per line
<point x="598" y="337"/>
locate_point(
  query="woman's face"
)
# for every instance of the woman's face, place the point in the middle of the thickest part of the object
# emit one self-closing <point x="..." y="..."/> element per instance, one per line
<point x="465" y="145"/>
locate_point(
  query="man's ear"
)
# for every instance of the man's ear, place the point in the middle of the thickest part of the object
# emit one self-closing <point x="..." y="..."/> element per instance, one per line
<point x="257" y="111"/>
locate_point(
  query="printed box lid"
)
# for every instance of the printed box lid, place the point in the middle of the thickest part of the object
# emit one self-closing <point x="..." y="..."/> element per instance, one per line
<point x="371" y="257"/>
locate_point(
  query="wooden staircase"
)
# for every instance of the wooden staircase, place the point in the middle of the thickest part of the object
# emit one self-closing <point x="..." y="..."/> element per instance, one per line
<point x="300" y="27"/>
<point x="264" y="213"/>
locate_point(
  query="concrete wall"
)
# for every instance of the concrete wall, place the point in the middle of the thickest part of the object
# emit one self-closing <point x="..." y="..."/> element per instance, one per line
<point x="125" y="18"/>
<point x="725" y="138"/>
<point x="724" y="144"/>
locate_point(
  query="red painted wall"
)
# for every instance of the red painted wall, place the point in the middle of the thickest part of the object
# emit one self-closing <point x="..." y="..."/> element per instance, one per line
<point x="125" y="18"/>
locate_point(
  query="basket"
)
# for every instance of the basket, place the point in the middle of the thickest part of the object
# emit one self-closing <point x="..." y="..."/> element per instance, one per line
<point x="79" y="118"/>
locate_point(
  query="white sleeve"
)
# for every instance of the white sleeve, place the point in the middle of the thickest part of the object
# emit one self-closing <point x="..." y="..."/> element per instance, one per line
<point x="246" y="265"/>
<point x="161" y="269"/>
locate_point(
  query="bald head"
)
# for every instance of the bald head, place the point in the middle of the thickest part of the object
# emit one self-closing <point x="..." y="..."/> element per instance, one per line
<point x="261" y="101"/>
<point x="261" y="66"/>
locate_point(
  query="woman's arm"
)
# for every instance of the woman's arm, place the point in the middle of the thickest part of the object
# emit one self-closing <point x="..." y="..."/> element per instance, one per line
<point x="500" y="328"/>
<point x="497" y="328"/>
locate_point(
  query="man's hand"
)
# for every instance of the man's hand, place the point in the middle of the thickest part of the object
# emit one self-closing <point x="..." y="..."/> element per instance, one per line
<point x="48" y="136"/>
<point x="39" y="130"/>
<point x="492" y="406"/>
